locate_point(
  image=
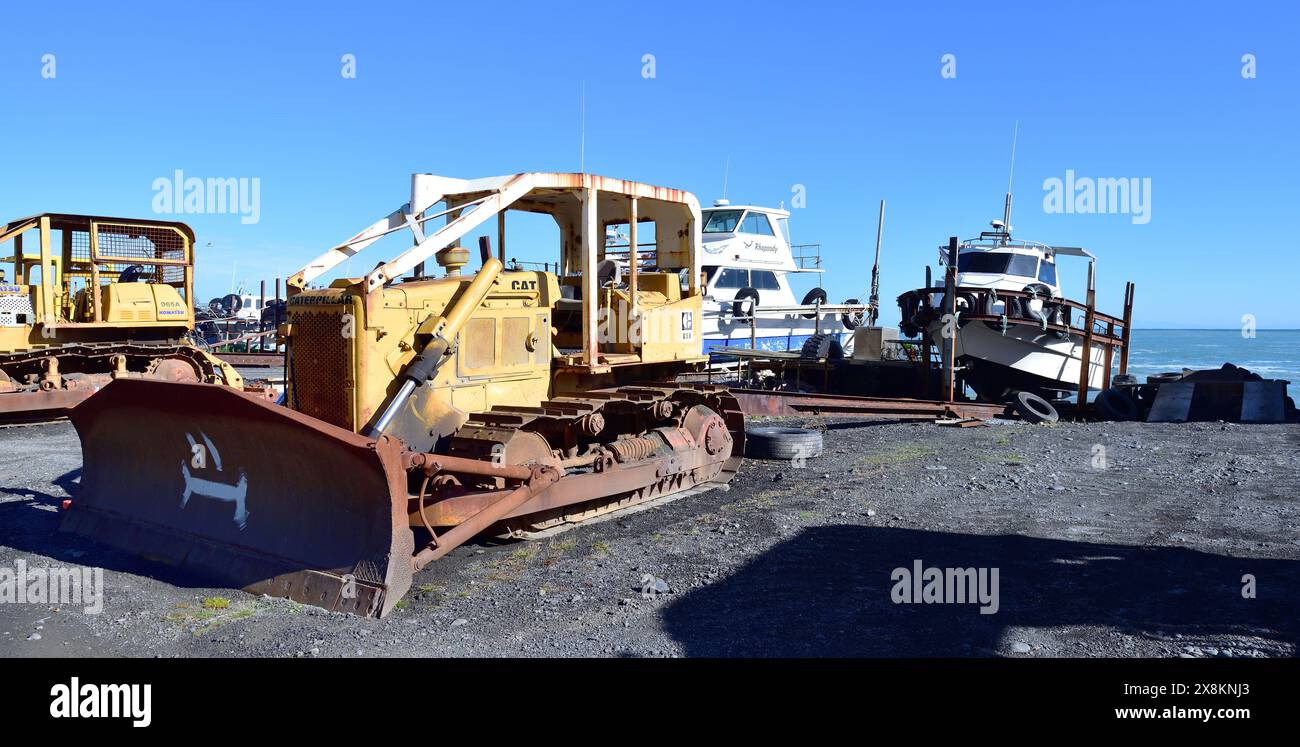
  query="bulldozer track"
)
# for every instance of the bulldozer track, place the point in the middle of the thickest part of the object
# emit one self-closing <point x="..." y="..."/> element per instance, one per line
<point x="99" y="355"/>
<point x="602" y="417"/>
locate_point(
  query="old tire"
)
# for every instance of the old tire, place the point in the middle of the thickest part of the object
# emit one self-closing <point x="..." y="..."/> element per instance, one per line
<point x="823" y="346"/>
<point x="814" y="296"/>
<point x="1033" y="408"/>
<point x="1117" y="404"/>
<point x="775" y="442"/>
<point x="738" y="311"/>
<point x="853" y="320"/>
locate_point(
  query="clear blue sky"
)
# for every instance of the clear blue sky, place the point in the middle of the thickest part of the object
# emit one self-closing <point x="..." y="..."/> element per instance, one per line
<point x="847" y="101"/>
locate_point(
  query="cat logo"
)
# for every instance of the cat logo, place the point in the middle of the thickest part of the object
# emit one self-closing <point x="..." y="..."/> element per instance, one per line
<point x="688" y="326"/>
<point x="523" y="285"/>
<point x="235" y="493"/>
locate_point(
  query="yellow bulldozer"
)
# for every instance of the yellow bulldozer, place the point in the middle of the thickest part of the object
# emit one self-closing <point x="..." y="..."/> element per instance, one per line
<point x="93" y="300"/>
<point x="423" y="410"/>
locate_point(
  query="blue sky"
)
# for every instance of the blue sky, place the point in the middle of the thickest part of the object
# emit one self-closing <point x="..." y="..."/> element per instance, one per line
<point x="846" y="100"/>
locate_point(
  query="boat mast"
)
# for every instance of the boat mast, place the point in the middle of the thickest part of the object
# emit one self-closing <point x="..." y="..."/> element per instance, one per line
<point x="1006" y="209"/>
<point x="873" y="310"/>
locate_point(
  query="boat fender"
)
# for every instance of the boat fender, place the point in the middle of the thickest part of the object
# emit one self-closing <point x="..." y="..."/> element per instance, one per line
<point x="853" y="320"/>
<point x="738" y="312"/>
<point x="1056" y="314"/>
<point x="970" y="302"/>
<point x="1036" y="305"/>
<point x="1015" y="308"/>
<point x="991" y="304"/>
<point x="814" y="296"/>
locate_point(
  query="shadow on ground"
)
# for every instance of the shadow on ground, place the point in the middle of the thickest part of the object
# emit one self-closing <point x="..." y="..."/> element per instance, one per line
<point x="32" y="525"/>
<point x="827" y="592"/>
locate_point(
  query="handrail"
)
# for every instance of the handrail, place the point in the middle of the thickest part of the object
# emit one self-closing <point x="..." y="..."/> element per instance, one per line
<point x="1021" y="294"/>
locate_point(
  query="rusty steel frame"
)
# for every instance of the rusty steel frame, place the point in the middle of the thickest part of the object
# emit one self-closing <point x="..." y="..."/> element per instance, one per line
<point x="762" y="402"/>
<point x="55" y="402"/>
<point x="252" y="360"/>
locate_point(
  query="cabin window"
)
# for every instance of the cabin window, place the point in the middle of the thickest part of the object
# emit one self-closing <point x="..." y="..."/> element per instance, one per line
<point x="1047" y="273"/>
<point x="763" y="280"/>
<point x="998" y="263"/>
<point x="732" y="277"/>
<point x="757" y="223"/>
<point x="721" y="221"/>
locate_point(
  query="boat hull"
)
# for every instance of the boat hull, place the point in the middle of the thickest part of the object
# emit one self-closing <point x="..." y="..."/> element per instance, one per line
<point x="1024" y="357"/>
<point x="786" y="333"/>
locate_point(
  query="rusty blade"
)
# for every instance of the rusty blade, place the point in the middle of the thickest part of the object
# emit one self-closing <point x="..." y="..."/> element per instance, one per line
<point x="244" y="492"/>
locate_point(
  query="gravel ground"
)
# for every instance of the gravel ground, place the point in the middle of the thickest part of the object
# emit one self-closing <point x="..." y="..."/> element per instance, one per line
<point x="1143" y="555"/>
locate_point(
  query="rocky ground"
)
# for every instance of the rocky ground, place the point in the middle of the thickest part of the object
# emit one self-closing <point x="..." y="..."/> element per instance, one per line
<point x="1109" y="540"/>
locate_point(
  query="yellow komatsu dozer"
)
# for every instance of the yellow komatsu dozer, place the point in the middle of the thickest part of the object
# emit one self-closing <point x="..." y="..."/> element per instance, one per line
<point x="91" y="300"/>
<point x="424" y="410"/>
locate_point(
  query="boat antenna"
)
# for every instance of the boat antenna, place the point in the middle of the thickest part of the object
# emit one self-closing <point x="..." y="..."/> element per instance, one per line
<point x="873" y="310"/>
<point x="582" y="132"/>
<point x="726" y="173"/>
<point x="1011" y="177"/>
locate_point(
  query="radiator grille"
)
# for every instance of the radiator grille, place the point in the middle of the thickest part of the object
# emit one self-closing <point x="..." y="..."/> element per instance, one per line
<point x="322" y="367"/>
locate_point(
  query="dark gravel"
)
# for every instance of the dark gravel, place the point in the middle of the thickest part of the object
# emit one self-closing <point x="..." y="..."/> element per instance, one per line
<point x="1143" y="556"/>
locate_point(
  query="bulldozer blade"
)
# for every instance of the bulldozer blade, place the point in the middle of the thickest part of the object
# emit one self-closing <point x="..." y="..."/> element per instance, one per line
<point x="244" y="492"/>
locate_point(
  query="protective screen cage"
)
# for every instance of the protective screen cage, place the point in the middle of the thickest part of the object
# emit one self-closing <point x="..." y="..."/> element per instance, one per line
<point x="161" y="252"/>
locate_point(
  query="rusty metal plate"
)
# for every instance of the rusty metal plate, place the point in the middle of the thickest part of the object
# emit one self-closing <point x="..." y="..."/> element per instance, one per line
<point x="244" y="492"/>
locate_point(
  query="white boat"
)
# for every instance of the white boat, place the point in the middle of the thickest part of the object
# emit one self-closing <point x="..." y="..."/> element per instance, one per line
<point x="1014" y="329"/>
<point x="749" y="302"/>
<point x="241" y="305"/>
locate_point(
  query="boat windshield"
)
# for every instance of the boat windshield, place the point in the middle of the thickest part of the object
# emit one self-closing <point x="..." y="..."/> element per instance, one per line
<point x="721" y="221"/>
<point x="998" y="263"/>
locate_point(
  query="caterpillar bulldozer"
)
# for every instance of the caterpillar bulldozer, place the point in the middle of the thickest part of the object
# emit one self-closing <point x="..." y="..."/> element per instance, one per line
<point x="99" y="299"/>
<point x="422" y="410"/>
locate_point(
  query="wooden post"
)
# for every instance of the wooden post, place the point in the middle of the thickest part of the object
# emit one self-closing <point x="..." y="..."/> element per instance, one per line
<point x="1128" y="324"/>
<point x="1085" y="360"/>
<point x="1110" y="352"/>
<point x="949" y="383"/>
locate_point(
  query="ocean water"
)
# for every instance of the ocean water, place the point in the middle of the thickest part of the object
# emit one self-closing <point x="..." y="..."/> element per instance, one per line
<point x="1271" y="353"/>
